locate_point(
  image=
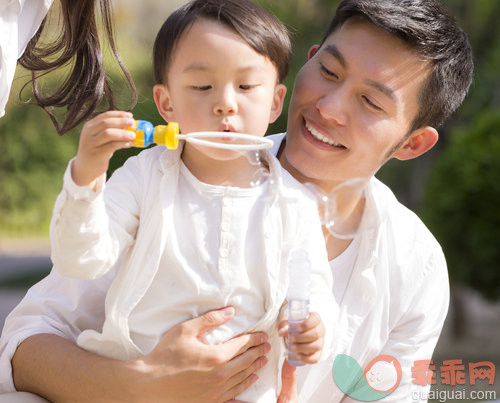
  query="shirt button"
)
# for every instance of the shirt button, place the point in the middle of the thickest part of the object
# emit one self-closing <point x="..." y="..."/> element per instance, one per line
<point x="223" y="252"/>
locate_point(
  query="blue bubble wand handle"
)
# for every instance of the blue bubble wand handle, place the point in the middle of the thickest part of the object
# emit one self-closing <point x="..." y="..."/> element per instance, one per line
<point x="169" y="135"/>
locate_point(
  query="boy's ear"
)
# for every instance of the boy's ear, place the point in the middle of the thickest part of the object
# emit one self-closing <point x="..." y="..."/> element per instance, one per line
<point x="418" y="143"/>
<point x="163" y="102"/>
<point x="312" y="51"/>
<point x="278" y="99"/>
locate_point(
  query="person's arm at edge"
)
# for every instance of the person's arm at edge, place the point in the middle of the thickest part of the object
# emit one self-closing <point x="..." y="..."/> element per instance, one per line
<point x="180" y="368"/>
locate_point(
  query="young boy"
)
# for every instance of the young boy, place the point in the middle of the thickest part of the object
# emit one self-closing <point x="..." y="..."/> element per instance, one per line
<point x="180" y="236"/>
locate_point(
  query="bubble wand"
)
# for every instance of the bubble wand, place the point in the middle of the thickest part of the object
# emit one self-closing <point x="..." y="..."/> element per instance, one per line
<point x="169" y="135"/>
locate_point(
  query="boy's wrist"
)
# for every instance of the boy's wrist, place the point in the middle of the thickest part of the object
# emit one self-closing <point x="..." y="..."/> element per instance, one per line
<point x="79" y="175"/>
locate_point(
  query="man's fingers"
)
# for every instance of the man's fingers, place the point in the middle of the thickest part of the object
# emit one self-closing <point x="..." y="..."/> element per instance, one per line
<point x="245" y="364"/>
<point x="207" y="321"/>
<point x="239" y="344"/>
<point x="235" y="391"/>
<point x="242" y="375"/>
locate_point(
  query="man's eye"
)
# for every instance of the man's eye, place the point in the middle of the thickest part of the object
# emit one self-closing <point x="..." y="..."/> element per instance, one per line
<point x="371" y="104"/>
<point x="327" y="72"/>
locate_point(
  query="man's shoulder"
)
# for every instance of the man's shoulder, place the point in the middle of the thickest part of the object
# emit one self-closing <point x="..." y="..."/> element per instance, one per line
<point x="411" y="243"/>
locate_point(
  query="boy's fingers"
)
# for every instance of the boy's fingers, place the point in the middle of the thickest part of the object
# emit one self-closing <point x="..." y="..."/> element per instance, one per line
<point x="307" y="337"/>
<point x="307" y="348"/>
<point x="113" y="114"/>
<point x="312" y="321"/>
<point x="309" y="359"/>
<point x="109" y="136"/>
<point x="94" y="127"/>
<point x="283" y="328"/>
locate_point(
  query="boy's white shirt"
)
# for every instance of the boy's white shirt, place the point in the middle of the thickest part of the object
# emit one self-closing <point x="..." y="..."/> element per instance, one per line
<point x="395" y="303"/>
<point x="131" y="221"/>
<point x="19" y="21"/>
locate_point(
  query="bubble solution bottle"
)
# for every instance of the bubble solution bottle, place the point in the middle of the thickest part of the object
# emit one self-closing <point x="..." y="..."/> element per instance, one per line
<point x="299" y="269"/>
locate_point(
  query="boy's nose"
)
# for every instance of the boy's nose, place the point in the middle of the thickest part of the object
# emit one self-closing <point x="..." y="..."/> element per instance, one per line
<point x="226" y="104"/>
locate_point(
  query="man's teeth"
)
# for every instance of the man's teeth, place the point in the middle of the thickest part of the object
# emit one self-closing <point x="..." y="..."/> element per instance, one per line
<point x="320" y="137"/>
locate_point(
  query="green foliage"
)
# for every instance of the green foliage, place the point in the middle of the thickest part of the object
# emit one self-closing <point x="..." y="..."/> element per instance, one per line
<point x="461" y="206"/>
<point x="31" y="167"/>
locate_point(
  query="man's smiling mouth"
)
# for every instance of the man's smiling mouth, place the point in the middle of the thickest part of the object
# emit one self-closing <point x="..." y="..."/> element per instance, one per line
<point x="318" y="136"/>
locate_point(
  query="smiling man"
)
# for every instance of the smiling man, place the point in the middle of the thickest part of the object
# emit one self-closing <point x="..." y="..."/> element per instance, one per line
<point x="386" y="76"/>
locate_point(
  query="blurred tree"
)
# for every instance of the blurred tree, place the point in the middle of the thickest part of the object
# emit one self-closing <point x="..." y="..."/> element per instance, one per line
<point x="461" y="204"/>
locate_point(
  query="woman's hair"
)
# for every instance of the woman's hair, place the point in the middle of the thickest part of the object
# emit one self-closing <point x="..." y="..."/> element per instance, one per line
<point x="260" y="29"/>
<point x="78" y="46"/>
<point x="431" y="32"/>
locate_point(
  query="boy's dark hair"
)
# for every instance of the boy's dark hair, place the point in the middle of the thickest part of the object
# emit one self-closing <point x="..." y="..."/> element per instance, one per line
<point x="259" y="28"/>
<point x="432" y="32"/>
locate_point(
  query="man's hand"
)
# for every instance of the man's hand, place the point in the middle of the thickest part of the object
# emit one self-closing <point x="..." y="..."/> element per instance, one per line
<point x="184" y="369"/>
<point x="308" y="342"/>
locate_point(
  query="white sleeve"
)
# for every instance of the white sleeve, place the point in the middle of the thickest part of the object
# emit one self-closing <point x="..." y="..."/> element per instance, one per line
<point x="322" y="300"/>
<point x="19" y="21"/>
<point x="90" y="230"/>
<point x="56" y="305"/>
<point x="415" y="335"/>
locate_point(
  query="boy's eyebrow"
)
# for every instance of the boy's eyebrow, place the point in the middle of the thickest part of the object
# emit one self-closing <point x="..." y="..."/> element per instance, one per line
<point x="384" y="89"/>
<point x="196" y="67"/>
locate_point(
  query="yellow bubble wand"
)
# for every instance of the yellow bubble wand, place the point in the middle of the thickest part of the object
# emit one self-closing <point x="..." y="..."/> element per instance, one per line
<point x="169" y="135"/>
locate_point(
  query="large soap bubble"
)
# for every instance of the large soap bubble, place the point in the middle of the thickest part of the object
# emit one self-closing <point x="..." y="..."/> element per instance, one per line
<point x="343" y="210"/>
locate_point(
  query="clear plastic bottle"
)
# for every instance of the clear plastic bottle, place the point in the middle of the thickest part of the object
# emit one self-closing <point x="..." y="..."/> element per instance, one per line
<point x="299" y="271"/>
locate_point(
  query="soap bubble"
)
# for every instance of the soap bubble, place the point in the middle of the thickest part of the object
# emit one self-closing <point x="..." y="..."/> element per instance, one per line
<point x="243" y="150"/>
<point x="342" y="210"/>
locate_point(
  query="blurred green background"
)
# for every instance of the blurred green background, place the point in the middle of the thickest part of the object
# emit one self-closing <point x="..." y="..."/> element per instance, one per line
<point x="455" y="188"/>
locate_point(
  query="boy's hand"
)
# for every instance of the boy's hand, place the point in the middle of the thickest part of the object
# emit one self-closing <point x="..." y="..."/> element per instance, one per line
<point x="100" y="138"/>
<point x="309" y="340"/>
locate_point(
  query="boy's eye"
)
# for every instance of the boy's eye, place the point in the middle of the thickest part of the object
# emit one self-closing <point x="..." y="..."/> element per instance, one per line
<point x="327" y="72"/>
<point x="371" y="104"/>
<point x="246" y="86"/>
<point x="202" y="87"/>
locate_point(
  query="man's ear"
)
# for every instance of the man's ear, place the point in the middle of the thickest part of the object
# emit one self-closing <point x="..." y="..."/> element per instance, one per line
<point x="163" y="102"/>
<point x="312" y="51"/>
<point x="418" y="143"/>
<point x="278" y="99"/>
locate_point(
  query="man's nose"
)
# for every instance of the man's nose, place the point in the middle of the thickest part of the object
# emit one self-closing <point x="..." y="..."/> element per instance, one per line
<point x="226" y="102"/>
<point x="334" y="105"/>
